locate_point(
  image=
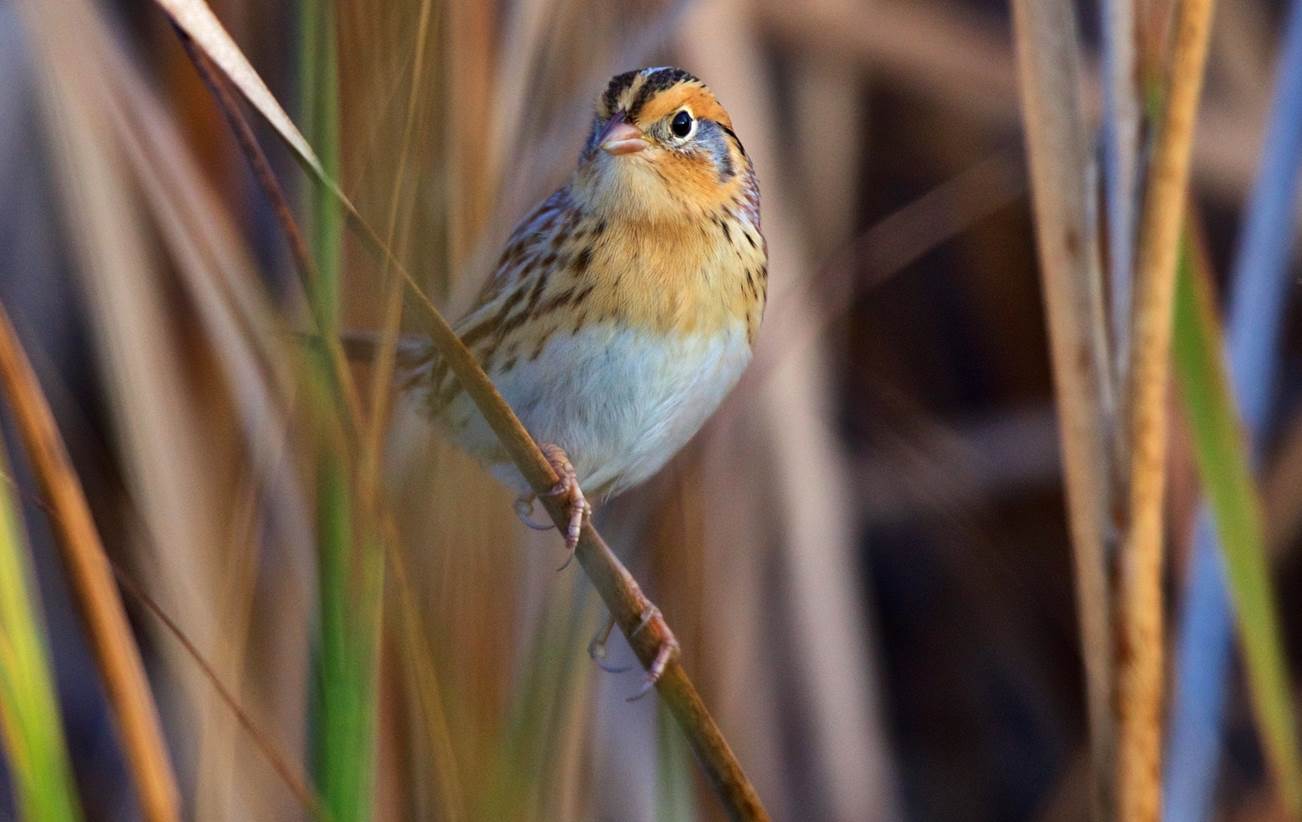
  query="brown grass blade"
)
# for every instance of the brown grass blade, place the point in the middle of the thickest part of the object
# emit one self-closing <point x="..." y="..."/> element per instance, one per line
<point x="196" y="19"/>
<point x="92" y="579"/>
<point x="272" y="190"/>
<point x="1140" y="642"/>
<point x="1058" y="150"/>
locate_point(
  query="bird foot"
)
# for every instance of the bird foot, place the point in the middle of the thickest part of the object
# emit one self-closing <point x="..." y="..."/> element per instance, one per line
<point x="576" y="505"/>
<point x="668" y="647"/>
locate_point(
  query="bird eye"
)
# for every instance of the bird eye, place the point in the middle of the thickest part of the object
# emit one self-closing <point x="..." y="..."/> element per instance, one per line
<point x="682" y="125"/>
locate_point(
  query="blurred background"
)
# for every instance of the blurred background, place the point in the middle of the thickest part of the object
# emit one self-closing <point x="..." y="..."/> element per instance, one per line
<point x="864" y="554"/>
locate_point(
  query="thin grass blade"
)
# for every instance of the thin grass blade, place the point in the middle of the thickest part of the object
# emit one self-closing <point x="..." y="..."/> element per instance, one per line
<point x="88" y="570"/>
<point x="30" y="724"/>
<point x="1260" y="285"/>
<point x="345" y="708"/>
<point x="196" y="18"/>
<point x="1224" y="466"/>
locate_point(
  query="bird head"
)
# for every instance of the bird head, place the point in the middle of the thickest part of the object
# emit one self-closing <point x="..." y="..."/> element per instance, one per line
<point x="661" y="148"/>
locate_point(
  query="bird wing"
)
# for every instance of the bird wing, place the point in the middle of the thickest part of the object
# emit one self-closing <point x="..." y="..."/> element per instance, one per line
<point x="526" y="247"/>
<point x="506" y="300"/>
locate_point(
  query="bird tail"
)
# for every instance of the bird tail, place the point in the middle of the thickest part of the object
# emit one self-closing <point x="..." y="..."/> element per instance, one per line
<point x="412" y="351"/>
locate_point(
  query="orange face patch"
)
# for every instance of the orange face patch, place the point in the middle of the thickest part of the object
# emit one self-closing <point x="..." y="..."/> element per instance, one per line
<point x="696" y="98"/>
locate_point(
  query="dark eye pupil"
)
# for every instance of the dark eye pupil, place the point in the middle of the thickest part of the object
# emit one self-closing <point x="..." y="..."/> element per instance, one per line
<point x="682" y="124"/>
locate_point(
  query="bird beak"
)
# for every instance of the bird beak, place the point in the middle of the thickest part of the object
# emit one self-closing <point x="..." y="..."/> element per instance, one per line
<point x="621" y="137"/>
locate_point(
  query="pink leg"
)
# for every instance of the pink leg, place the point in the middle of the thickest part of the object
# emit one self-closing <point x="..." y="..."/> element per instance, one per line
<point x="568" y="489"/>
<point x="667" y="650"/>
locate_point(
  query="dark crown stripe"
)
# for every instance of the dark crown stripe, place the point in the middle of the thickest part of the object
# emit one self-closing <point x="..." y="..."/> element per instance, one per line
<point x="659" y="81"/>
<point x="618" y="85"/>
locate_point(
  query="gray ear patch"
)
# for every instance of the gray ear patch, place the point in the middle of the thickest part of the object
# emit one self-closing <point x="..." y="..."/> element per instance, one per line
<point x="711" y="135"/>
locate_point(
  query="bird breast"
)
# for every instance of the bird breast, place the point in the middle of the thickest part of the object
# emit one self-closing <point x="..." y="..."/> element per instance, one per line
<point x="620" y="401"/>
<point x="695" y="277"/>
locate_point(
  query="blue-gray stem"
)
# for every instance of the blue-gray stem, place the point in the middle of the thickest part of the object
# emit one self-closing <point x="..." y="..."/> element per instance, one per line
<point x="1120" y="132"/>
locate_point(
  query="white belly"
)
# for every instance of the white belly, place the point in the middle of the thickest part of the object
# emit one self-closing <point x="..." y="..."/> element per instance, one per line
<point x="620" y="402"/>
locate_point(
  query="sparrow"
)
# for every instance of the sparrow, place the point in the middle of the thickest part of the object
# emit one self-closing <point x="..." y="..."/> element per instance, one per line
<point x="624" y="307"/>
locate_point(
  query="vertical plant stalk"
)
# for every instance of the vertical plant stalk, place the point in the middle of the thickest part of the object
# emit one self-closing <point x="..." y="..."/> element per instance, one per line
<point x="448" y="785"/>
<point x="1059" y="156"/>
<point x="1140" y="650"/>
<point x="318" y="73"/>
<point x="349" y="565"/>
<point x="350" y="581"/>
<point x="271" y="189"/>
<point x="91" y="578"/>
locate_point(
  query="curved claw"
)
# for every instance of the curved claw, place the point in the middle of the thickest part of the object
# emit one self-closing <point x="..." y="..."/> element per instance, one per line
<point x="524" y="509"/>
<point x="597" y="649"/>
<point x="565" y="564"/>
<point x="612" y="669"/>
<point x="647" y="684"/>
<point x="560" y="488"/>
<point x="657" y="669"/>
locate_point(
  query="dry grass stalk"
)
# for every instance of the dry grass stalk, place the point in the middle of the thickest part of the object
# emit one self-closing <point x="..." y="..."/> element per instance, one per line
<point x="290" y="775"/>
<point x="617" y="587"/>
<point x="1140" y="647"/>
<point x="386" y="355"/>
<point x="1059" y="155"/>
<point x="91" y="578"/>
<point x="271" y="189"/>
